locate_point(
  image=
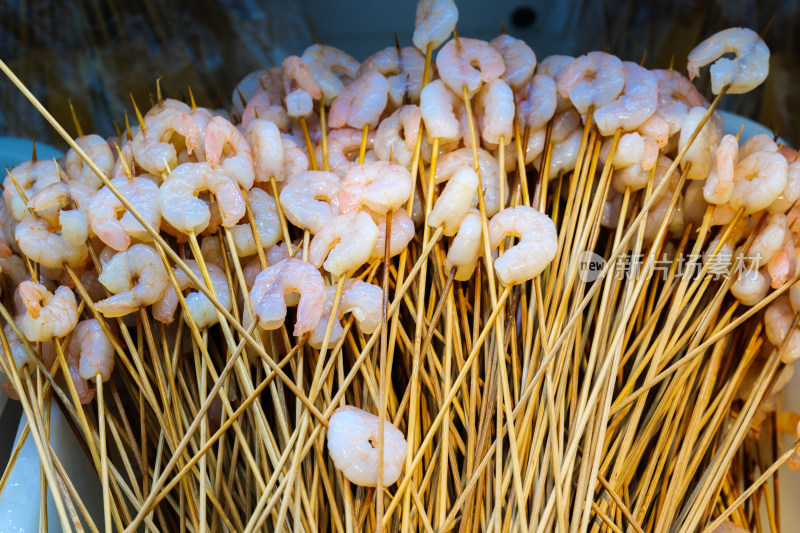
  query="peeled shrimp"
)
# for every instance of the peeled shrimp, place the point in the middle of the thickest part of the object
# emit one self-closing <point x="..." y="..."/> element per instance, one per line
<point x="295" y="159"/>
<point x="403" y="69"/>
<point x="676" y="96"/>
<point x="20" y="355"/>
<point x="466" y="247"/>
<point x="519" y="59"/>
<point x="346" y="241"/>
<point x="778" y="319"/>
<point x="437" y="106"/>
<point x="637" y="103"/>
<point x="554" y="66"/>
<point x="718" y="188"/>
<point x="759" y="179"/>
<point x="537" y="246"/>
<point x="361" y="103"/>
<point x="758" y="143"/>
<point x="31" y="177"/>
<point x="537" y="103"/>
<point x="390" y="144"/>
<point x="769" y="239"/>
<point x="380" y="186"/>
<point x="782" y="265"/>
<point x="99" y="152"/>
<point x="103" y="211"/>
<point x="328" y="66"/>
<point x="344" y="145"/>
<point x="791" y="193"/>
<point x="48" y="314"/>
<point x="311" y="199"/>
<point x="155" y="146"/>
<point x="48" y="248"/>
<point x="745" y="73"/>
<point x="265" y="140"/>
<point x="300" y="87"/>
<point x="135" y="277"/>
<point x="402" y="233"/>
<point x="592" y="80"/>
<point x="489" y="172"/>
<point x="496" y="100"/>
<point x="89" y="353"/>
<point x="265" y="106"/>
<point x="198" y="306"/>
<point x="277" y="281"/>
<point x="751" y="286"/>
<point x="702" y="150"/>
<point x="434" y="21"/>
<point x="455" y="64"/>
<point x="265" y="216"/>
<point x="353" y="445"/>
<point x="228" y="152"/>
<point x="363" y="300"/>
<point x="52" y="202"/>
<point x="454" y="202"/>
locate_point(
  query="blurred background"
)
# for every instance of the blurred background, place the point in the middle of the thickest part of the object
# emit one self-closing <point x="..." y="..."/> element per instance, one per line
<point x="97" y="52"/>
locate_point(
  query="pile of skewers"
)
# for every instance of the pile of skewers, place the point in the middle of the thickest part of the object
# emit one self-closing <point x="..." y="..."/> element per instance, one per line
<point x="480" y="293"/>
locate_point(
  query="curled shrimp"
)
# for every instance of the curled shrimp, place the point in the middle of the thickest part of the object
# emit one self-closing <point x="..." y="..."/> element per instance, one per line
<point x="758" y="143"/>
<point x="537" y="102"/>
<point x="676" y="96"/>
<point x="295" y="158"/>
<point x="778" y="319"/>
<point x="750" y="286"/>
<point x="166" y="130"/>
<point x="554" y="66"/>
<point x="592" y="80"/>
<point x="228" y="153"/>
<point x="701" y="152"/>
<point x="90" y="353"/>
<point x="265" y="216"/>
<point x="265" y="140"/>
<point x="466" y="247"/>
<point x="489" y="173"/>
<point x="49" y="248"/>
<point x="743" y="74"/>
<point x="519" y="60"/>
<point x="311" y="199"/>
<point x="187" y="213"/>
<point x="329" y="66"/>
<point x="361" y="103"/>
<point x="637" y="103"/>
<point x="718" y="188"/>
<point x="496" y="101"/>
<point x="455" y="64"/>
<point x="48" y="314"/>
<point x="380" y="186"/>
<point x="353" y="445"/>
<point x="402" y="232"/>
<point x="136" y="278"/>
<point x="783" y="264"/>
<point x="31" y="177"/>
<point x="362" y="299"/>
<point x="300" y="87"/>
<point x="791" y="193"/>
<point x="105" y="207"/>
<point x="198" y="306"/>
<point x="434" y="21"/>
<point x="758" y="181"/>
<point x="344" y="146"/>
<point x="53" y="204"/>
<point x="99" y="152"/>
<point x="769" y="239"/>
<point x="437" y="105"/>
<point x="455" y="201"/>
<point x="275" y="282"/>
<point x="344" y="244"/>
<point x="265" y="106"/>
<point x="537" y="246"/>
<point x="403" y="68"/>
<point x="390" y="144"/>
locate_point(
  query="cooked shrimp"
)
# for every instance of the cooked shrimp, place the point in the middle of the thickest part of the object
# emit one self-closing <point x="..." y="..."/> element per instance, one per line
<point x="228" y="153"/>
<point x="380" y="186"/>
<point x="769" y="239"/>
<point x="434" y="21"/>
<point x="105" y="207"/>
<point x="437" y="105"/>
<point x="363" y="300"/>
<point x="592" y="80"/>
<point x="48" y="314"/>
<point x="745" y="73"/>
<point x="564" y="155"/>
<point x="537" y="102"/>
<point x="295" y="158"/>
<point x="166" y="130"/>
<point x="759" y="179"/>
<point x="265" y="216"/>
<point x="187" y="213"/>
<point x="297" y="76"/>
<point x="99" y="153"/>
<point x="455" y="201"/>
<point x="402" y="233"/>
<point x="758" y="143"/>
<point x="537" y="246"/>
<point x="14" y="267"/>
<point x="718" y="188"/>
<point x="344" y="145"/>
<point x="49" y="248"/>
<point x="265" y="106"/>
<point x="455" y="64"/>
<point x="657" y="129"/>
<point x="329" y="66"/>
<point x="265" y="140"/>
<point x="31" y="177"/>
<point x="496" y="102"/>
<point x="125" y="162"/>
<point x="277" y="281"/>
<point x="751" y="286"/>
<point x="353" y="445"/>
<point x="489" y="172"/>
<point x="694" y="205"/>
<point x="361" y="103"/>
<point x="403" y="69"/>
<point x="791" y="193"/>
<point x="311" y="200"/>
<point x="778" y="319"/>
<point x="390" y="144"/>
<point x="346" y="241"/>
<point x="782" y="265"/>
<point x="519" y="59"/>
<point x="660" y="207"/>
<point x="554" y="66"/>
<point x="89" y="354"/>
<point x="135" y="277"/>
<point x="676" y="96"/>
<point x="52" y="202"/>
<point x="702" y="150"/>
<point x="198" y="306"/>
<point x="466" y="247"/>
<point x="637" y="103"/>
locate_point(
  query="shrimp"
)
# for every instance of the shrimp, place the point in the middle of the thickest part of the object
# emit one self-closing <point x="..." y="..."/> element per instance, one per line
<point x="660" y="207"/>
<point x="455" y="64"/>
<point x="155" y="146"/>
<point x="554" y="66"/>
<point x="363" y="300"/>
<point x="791" y="193"/>
<point x="564" y="155"/>
<point x="455" y="201"/>
<point x="49" y="248"/>
<point x="99" y="152"/>
<point x="466" y="246"/>
<point x="489" y="173"/>
<point x="389" y="144"/>
<point x="300" y="87"/>
<point x="51" y="204"/>
<point x="311" y="200"/>
<point x="434" y="21"/>
<point x="402" y="233"/>
<point x="361" y="103"/>
<point x="135" y="277"/>
<point x="782" y="265"/>
<point x="275" y="282"/>
<point x="751" y="286"/>
<point x="187" y="213"/>
<point x="267" y="107"/>
<point x="403" y="68"/>
<point x="718" y="188"/>
<point x="343" y="148"/>
<point x="702" y="150"/>
<point x="353" y="445"/>
<point x="380" y="186"/>
<point x="778" y="319"/>
<point x="198" y="306"/>
<point x="519" y="60"/>
<point x="265" y="140"/>
<point x="758" y="143"/>
<point x="228" y="153"/>
<point x="295" y="159"/>
<point x="637" y="103"/>
<point x="89" y="354"/>
<point x="329" y="66"/>
<point x="676" y="96"/>
<point x="48" y="314"/>
<point x="694" y="205"/>
<point x="265" y="216"/>
<point x="592" y="80"/>
<point x="104" y="209"/>
<point x="20" y="355"/>
<point x="125" y="164"/>
<point x="537" y="102"/>
<point x="537" y="246"/>
<point x="745" y="73"/>
<point x="347" y="242"/>
<point x="31" y="177"/>
<point x="769" y="239"/>
<point x="496" y="101"/>
<point x="437" y="105"/>
<point x="759" y="179"/>
<point x="14" y="267"/>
